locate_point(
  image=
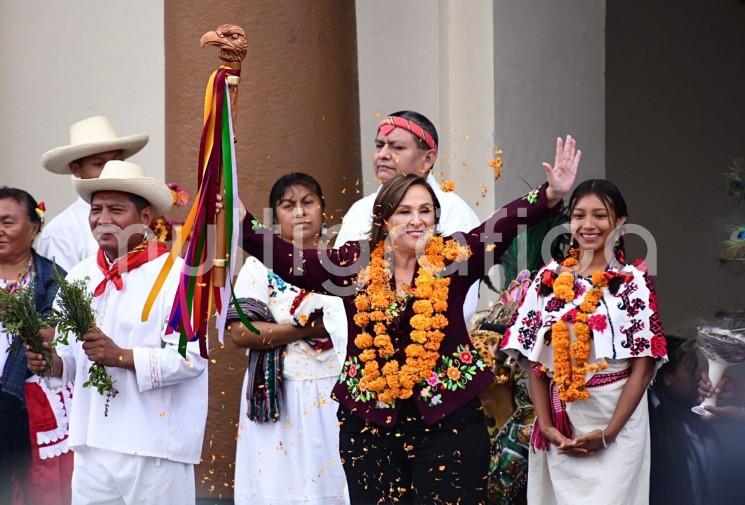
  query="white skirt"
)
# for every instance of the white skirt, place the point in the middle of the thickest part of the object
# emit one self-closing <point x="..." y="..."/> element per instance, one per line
<point x="618" y="475"/>
<point x="294" y="460"/>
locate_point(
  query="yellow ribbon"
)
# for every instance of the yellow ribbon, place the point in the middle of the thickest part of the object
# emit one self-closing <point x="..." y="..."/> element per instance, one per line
<point x="209" y="119"/>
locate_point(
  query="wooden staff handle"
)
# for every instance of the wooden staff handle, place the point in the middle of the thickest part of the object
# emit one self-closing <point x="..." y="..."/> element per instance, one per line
<point x="222" y="255"/>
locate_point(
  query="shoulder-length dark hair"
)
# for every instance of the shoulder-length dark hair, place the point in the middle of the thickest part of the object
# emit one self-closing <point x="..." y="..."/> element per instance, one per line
<point x="293" y="179"/>
<point x="388" y="200"/>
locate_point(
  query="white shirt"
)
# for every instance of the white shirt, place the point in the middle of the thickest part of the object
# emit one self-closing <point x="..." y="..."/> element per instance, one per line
<point x="455" y="215"/>
<point x="5" y="339"/>
<point x="301" y="361"/>
<point x="161" y="408"/>
<point x="67" y="239"/>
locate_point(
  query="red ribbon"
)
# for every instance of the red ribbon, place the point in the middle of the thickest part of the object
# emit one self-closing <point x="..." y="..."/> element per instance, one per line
<point x="388" y="124"/>
<point x="139" y="256"/>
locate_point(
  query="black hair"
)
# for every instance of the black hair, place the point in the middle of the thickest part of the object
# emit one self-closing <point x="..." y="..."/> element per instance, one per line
<point x="422" y="121"/>
<point x="294" y="179"/>
<point x="613" y="200"/>
<point x="24" y="199"/>
<point x="608" y="193"/>
<point x="139" y="202"/>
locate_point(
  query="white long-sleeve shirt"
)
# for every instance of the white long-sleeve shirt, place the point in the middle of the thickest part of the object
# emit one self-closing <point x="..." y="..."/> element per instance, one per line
<point x="67" y="239"/>
<point x="455" y="215"/>
<point x="161" y="407"/>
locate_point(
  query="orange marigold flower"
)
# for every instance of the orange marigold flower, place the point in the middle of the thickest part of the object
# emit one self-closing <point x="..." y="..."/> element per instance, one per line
<point x="387" y="351"/>
<point x="377" y="315"/>
<point x="380" y="328"/>
<point x="420" y="322"/>
<point x="361" y="319"/>
<point x="447" y="186"/>
<point x="363" y="340"/>
<point x="570" y="262"/>
<point x="362" y="302"/>
<point x="377" y="385"/>
<point x="392" y="381"/>
<point x="599" y="279"/>
<point x="440" y="306"/>
<point x="438" y="321"/>
<point x="390" y="367"/>
<point x="419" y="336"/>
<point x="453" y="373"/>
<point x="406" y="393"/>
<point x="423" y="307"/>
<point x="368" y="355"/>
<point x="382" y="341"/>
<point x="386" y="397"/>
<point x="378" y="300"/>
<point x="414" y="350"/>
<point x="424" y="291"/>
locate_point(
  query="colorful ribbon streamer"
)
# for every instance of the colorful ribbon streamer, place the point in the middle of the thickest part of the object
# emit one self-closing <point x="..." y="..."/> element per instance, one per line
<point x="197" y="295"/>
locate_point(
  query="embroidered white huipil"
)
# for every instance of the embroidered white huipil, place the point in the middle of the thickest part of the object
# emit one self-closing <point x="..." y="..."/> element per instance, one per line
<point x="455" y="215"/>
<point x="625" y="326"/>
<point x="161" y="409"/>
<point x="67" y="239"/>
<point x="295" y="459"/>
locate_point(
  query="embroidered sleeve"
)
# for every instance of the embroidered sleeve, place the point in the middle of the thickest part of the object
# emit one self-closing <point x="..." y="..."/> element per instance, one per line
<point x="164" y="366"/>
<point x="641" y="330"/>
<point x="528" y="326"/>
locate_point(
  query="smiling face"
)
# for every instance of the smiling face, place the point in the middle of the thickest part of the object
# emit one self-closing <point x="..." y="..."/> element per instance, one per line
<point x="117" y="223"/>
<point x="411" y="219"/>
<point x="17" y="232"/>
<point x="592" y="222"/>
<point x="400" y="153"/>
<point x="299" y="214"/>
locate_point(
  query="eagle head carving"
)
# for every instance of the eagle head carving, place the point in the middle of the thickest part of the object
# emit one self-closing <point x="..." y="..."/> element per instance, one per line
<point x="231" y="39"/>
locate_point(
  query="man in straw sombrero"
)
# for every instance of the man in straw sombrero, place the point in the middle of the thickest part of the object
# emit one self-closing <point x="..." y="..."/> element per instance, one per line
<point x="93" y="142"/>
<point x="138" y="446"/>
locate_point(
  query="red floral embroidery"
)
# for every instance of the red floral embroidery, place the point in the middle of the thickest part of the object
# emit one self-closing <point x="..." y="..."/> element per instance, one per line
<point x="659" y="346"/>
<point x="466" y="357"/>
<point x="570" y="316"/>
<point x="352" y="371"/>
<point x="598" y="322"/>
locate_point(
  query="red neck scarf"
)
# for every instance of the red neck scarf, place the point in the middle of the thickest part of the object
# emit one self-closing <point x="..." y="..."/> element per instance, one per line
<point x="140" y="255"/>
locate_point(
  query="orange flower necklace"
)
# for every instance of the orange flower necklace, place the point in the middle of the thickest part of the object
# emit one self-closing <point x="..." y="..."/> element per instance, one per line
<point x="377" y="305"/>
<point x="570" y="358"/>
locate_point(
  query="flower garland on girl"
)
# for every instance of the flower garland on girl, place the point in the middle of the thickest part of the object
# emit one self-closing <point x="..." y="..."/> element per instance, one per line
<point x="378" y="304"/>
<point x="571" y="358"/>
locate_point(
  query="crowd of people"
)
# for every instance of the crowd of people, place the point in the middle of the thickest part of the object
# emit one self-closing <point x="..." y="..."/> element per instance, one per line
<point x="362" y="385"/>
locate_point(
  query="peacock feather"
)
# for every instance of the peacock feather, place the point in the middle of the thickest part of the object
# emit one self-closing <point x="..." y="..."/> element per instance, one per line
<point x="734" y="248"/>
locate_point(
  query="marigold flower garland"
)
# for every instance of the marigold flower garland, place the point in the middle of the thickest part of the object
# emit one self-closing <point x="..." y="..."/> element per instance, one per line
<point x="570" y="358"/>
<point x="377" y="305"/>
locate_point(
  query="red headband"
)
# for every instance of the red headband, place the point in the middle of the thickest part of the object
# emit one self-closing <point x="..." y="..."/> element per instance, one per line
<point x="388" y="124"/>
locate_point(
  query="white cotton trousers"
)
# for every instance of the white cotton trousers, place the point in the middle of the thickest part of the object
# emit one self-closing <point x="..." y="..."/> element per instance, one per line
<point x="102" y="477"/>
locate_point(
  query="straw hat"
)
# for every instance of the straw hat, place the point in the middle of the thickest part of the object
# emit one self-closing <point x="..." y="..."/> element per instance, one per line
<point x="88" y="137"/>
<point x="128" y="178"/>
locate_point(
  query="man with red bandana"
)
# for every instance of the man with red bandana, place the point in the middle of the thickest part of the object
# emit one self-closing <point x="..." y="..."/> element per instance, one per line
<point x="406" y="143"/>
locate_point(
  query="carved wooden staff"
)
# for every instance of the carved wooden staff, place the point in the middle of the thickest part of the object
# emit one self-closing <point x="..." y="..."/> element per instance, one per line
<point x="233" y="44"/>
